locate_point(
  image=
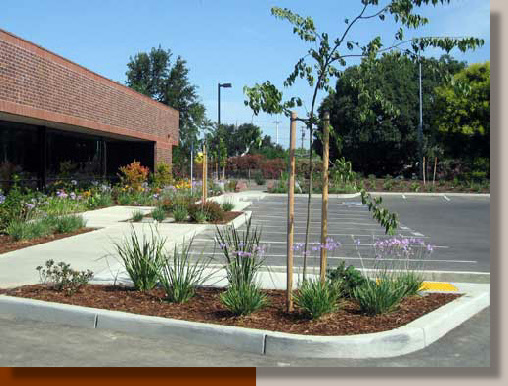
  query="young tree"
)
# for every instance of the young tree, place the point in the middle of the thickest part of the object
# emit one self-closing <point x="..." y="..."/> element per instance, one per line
<point x="320" y="63"/>
<point x="154" y="75"/>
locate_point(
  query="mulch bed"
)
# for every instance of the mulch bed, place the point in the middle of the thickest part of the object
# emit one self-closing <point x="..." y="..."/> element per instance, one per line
<point x="7" y="244"/>
<point x="206" y="307"/>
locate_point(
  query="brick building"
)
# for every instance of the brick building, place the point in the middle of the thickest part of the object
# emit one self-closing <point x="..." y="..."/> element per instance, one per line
<point x="60" y="120"/>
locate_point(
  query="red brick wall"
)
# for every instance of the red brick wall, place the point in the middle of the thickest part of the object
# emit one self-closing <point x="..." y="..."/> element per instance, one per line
<point x="39" y="84"/>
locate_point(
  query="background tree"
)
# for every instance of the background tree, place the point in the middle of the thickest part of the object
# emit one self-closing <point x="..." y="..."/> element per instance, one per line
<point x="325" y="54"/>
<point x="239" y="140"/>
<point x="154" y="75"/>
<point x="374" y="140"/>
<point x="462" y="116"/>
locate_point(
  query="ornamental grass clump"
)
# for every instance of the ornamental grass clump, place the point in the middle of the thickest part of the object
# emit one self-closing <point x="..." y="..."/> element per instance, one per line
<point x="243" y="254"/>
<point x="180" y="213"/>
<point x="397" y="274"/>
<point x="317" y="299"/>
<point x="380" y="296"/>
<point x="143" y="258"/>
<point x="159" y="214"/>
<point x="179" y="276"/>
<point x="137" y="216"/>
<point x="227" y="206"/>
<point x="68" y="223"/>
<point x="243" y="299"/>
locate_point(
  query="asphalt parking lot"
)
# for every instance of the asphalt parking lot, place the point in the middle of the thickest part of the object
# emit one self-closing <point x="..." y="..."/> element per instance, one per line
<point x="457" y="227"/>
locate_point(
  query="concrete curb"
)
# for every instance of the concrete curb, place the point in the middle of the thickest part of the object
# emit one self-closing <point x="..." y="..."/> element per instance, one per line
<point x="237" y="222"/>
<point x="470" y="195"/>
<point x="448" y="276"/>
<point x="412" y="337"/>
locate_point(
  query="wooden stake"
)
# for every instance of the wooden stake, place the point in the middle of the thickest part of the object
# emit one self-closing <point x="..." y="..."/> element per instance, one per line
<point x="324" y="201"/>
<point x="435" y="167"/>
<point x="291" y="213"/>
<point x="423" y="166"/>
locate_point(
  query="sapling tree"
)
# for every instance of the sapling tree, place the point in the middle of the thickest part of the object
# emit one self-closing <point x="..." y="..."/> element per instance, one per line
<point x="326" y="54"/>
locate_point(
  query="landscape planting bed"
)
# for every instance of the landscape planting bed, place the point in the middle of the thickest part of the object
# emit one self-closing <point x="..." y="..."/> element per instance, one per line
<point x="7" y="244"/>
<point x="205" y="307"/>
<point x="228" y="216"/>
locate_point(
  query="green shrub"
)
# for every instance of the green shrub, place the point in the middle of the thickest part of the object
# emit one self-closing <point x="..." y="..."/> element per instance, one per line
<point x="211" y="211"/>
<point x="163" y="175"/>
<point x="259" y="178"/>
<point x="99" y="200"/>
<point x="388" y="183"/>
<point x="381" y="297"/>
<point x="179" y="276"/>
<point x="61" y="277"/>
<point x="317" y="299"/>
<point x="243" y="299"/>
<point x="180" y="213"/>
<point x="143" y="259"/>
<point x="137" y="216"/>
<point x="227" y="206"/>
<point x="415" y="186"/>
<point x="349" y="278"/>
<point x="158" y="214"/>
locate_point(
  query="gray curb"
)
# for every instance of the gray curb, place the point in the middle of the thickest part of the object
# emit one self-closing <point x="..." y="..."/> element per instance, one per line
<point x="412" y="337"/>
<point x="470" y="195"/>
<point x="447" y="276"/>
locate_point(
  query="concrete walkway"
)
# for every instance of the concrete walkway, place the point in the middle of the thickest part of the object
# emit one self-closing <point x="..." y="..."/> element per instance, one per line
<point x="92" y="250"/>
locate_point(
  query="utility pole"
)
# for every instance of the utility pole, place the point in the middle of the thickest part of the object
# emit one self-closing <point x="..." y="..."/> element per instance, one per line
<point x="420" y="125"/>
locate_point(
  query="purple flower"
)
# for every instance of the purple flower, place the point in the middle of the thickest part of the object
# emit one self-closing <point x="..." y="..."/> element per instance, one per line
<point x="61" y="194"/>
<point x="30" y="206"/>
<point x="155" y="196"/>
<point x="2" y="199"/>
<point x="72" y="195"/>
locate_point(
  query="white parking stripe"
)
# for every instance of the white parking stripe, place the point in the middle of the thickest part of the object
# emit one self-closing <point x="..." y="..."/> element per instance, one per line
<point x="354" y="258"/>
<point x="446" y="198"/>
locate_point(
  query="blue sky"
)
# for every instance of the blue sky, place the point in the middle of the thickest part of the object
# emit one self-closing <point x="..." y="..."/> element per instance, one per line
<point x="221" y="40"/>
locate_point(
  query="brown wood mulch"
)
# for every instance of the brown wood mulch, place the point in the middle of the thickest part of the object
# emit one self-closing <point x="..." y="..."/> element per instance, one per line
<point x="206" y="307"/>
<point x="7" y="243"/>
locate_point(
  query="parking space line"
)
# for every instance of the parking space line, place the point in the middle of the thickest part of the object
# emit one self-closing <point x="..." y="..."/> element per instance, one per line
<point x="446" y="198"/>
<point x="316" y="243"/>
<point x="354" y="258"/>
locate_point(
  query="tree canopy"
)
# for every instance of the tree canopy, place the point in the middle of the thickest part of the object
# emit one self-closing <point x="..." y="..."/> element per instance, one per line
<point x="462" y="113"/>
<point x="379" y="140"/>
<point x="156" y="75"/>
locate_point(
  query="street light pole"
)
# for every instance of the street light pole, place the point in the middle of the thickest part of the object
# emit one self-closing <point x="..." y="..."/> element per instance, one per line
<point x="225" y="85"/>
<point x="420" y="124"/>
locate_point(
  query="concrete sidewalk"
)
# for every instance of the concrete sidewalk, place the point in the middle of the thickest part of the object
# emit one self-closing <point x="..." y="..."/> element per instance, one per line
<point x="90" y="250"/>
